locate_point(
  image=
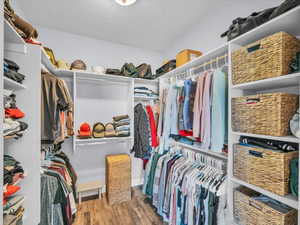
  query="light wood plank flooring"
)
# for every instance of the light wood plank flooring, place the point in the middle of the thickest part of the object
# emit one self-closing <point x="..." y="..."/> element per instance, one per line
<point x="134" y="212"/>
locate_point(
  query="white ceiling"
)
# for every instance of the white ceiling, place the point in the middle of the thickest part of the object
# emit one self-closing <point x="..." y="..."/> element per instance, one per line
<point x="149" y="24"/>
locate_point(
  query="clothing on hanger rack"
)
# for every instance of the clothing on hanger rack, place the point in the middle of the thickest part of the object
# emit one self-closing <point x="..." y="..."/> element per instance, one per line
<point x="196" y="107"/>
<point x="57" y="109"/>
<point x="145" y="130"/>
<point x="58" y="189"/>
<point x="187" y="187"/>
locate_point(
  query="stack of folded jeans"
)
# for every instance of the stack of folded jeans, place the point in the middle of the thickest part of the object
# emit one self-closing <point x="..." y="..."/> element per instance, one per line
<point x="122" y="125"/>
<point x="12" y="127"/>
<point x="12" y="204"/>
<point x="11" y="71"/>
<point x="144" y="92"/>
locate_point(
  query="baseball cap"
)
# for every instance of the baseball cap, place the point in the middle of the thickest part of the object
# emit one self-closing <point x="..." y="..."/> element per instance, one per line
<point x="98" y="130"/>
<point x="85" y="130"/>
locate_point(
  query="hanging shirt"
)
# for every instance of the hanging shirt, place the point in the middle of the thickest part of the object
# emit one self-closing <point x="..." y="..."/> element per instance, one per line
<point x="189" y="93"/>
<point x="219" y="122"/>
<point x="206" y="113"/>
<point x="198" y="105"/>
<point x="154" y="141"/>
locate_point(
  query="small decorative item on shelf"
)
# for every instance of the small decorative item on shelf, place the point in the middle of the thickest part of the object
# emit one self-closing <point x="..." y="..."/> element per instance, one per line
<point x="261" y="114"/>
<point x="266" y="58"/>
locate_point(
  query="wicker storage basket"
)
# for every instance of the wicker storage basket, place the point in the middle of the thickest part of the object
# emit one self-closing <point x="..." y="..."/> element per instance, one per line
<point x="266" y="58"/>
<point x="264" y="168"/>
<point x="267" y="114"/>
<point x="248" y="211"/>
<point x="118" y="178"/>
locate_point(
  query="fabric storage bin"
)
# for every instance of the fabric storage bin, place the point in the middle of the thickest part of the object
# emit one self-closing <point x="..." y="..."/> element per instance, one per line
<point x="267" y="114"/>
<point x="248" y="211"/>
<point x="185" y="56"/>
<point x="118" y="178"/>
<point x="264" y="168"/>
<point x="266" y="58"/>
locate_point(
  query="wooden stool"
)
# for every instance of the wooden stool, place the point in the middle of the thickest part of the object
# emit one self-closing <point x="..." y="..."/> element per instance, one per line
<point x="90" y="186"/>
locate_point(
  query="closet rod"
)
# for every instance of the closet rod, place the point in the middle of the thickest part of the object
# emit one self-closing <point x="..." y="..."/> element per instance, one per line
<point x="191" y="71"/>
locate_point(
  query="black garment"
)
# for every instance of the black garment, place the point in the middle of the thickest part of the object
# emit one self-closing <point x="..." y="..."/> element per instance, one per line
<point x="141" y="147"/>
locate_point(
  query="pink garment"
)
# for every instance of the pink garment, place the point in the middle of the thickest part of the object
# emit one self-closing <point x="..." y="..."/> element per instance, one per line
<point x="198" y="105"/>
<point x="206" y="112"/>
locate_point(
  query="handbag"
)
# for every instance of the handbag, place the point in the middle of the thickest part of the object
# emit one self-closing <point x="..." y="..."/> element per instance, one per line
<point x="242" y="25"/>
<point x="284" y="7"/>
<point x="171" y="65"/>
<point x="145" y="71"/>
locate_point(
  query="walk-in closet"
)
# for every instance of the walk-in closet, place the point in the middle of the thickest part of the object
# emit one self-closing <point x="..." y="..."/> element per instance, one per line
<point x="138" y="112"/>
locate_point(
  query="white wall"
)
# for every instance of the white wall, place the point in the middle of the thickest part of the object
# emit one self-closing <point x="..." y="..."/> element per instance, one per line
<point x="206" y="34"/>
<point x="95" y="52"/>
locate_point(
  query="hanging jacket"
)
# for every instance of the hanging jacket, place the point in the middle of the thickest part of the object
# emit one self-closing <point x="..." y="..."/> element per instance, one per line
<point x="141" y="147"/>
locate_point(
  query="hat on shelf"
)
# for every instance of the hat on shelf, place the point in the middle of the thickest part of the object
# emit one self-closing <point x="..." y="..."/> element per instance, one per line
<point x="78" y="65"/>
<point x="110" y="130"/>
<point x="84" y="131"/>
<point x="98" y="69"/>
<point x="98" y="130"/>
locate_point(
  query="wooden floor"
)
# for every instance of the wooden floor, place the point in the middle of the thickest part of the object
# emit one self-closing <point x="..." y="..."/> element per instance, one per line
<point x="134" y="212"/>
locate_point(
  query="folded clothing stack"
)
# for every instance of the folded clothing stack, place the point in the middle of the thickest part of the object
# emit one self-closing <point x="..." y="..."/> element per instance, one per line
<point x="13" y="209"/>
<point x="11" y="71"/>
<point x="144" y="92"/>
<point x="122" y="125"/>
<point x="12" y="127"/>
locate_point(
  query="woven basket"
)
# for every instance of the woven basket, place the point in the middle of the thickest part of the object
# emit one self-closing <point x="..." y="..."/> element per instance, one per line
<point x="248" y="211"/>
<point x="264" y="168"/>
<point x="266" y="58"/>
<point x="118" y="178"/>
<point x="267" y="114"/>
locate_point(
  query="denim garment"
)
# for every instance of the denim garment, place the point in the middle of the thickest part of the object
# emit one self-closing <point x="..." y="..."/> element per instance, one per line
<point x="189" y="93"/>
<point x="219" y="122"/>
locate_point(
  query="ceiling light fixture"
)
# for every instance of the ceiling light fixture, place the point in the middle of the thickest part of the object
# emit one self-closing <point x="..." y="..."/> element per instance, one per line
<point x="125" y="2"/>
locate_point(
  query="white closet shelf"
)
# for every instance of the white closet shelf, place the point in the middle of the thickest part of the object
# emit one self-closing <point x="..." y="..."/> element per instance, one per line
<point x="13" y="41"/>
<point x="102" y="77"/>
<point x="288" y="22"/>
<point x="283" y="138"/>
<point x="137" y="98"/>
<point x="195" y="148"/>
<point x="289" y="200"/>
<point x="223" y="49"/>
<point x="145" y="81"/>
<point x="12" y="85"/>
<point x="289" y="80"/>
<point x="95" y="141"/>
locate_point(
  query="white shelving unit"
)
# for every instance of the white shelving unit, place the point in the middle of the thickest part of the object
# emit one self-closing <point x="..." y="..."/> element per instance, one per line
<point x="137" y="98"/>
<point x="12" y="85"/>
<point x="26" y="149"/>
<point x="13" y="41"/>
<point x="288" y="22"/>
<point x="98" y="141"/>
